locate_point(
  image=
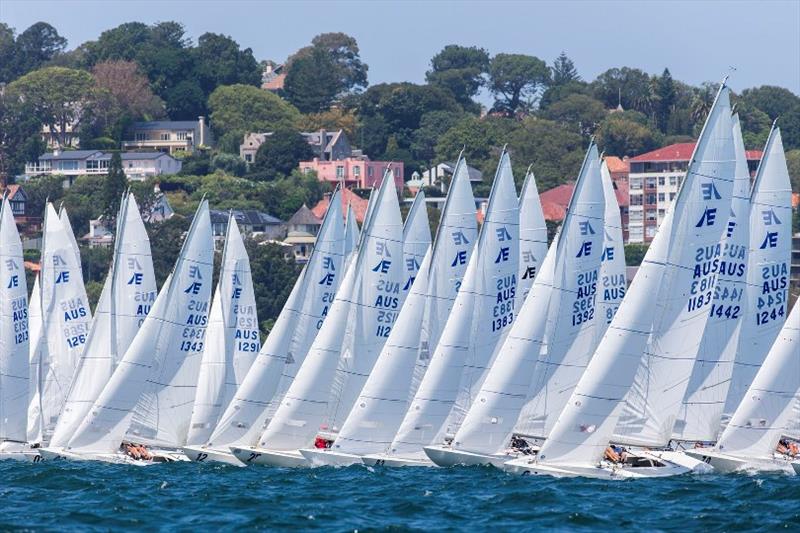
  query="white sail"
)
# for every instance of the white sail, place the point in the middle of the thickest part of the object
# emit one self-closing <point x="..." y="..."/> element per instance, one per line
<point x="767" y="408"/>
<point x="482" y="314"/>
<point x="586" y="425"/>
<point x="359" y="321"/>
<point x="613" y="279"/>
<point x="532" y="237"/>
<point x="160" y="365"/>
<point x="701" y="412"/>
<point x="14" y="331"/>
<point x="416" y="239"/>
<point x="232" y="339"/>
<point x="573" y="314"/>
<point x="291" y="336"/>
<point x="769" y="256"/>
<point x="34" y="425"/>
<point x="351" y="232"/>
<point x="64" y="217"/>
<point x="66" y="320"/>
<point x="128" y="294"/>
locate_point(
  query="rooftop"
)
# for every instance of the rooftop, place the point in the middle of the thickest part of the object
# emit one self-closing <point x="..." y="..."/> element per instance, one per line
<point x="615" y="164"/>
<point x="166" y="125"/>
<point x="249" y="217"/>
<point x="556" y="200"/>
<point x="681" y="152"/>
<point x="304" y="216"/>
<point x="350" y="198"/>
<point x="70" y="155"/>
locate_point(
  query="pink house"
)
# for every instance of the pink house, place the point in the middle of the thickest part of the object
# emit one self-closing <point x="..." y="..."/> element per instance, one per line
<point x="354" y="171"/>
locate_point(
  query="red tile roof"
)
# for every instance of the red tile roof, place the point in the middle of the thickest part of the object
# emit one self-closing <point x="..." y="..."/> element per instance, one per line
<point x="348" y="197"/>
<point x="555" y="201"/>
<point x="12" y="191"/>
<point x="682" y="152"/>
<point x="621" y="190"/>
<point x="615" y="164"/>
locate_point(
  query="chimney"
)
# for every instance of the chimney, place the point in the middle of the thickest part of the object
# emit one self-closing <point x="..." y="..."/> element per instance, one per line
<point x="202" y="123"/>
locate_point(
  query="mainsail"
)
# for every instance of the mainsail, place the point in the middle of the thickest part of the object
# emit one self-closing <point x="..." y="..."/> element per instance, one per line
<point x="586" y="425"/>
<point x="14" y="332"/>
<point x="161" y="364"/>
<point x="532" y="237"/>
<point x="232" y="338"/>
<point x="291" y="336"/>
<point x="613" y="278"/>
<point x="128" y="294"/>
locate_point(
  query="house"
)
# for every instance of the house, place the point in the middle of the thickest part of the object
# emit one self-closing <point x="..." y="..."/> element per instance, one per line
<point x="273" y="77"/>
<point x="169" y="136"/>
<point x="302" y="233"/>
<point x="439" y="175"/>
<point x="354" y="171"/>
<point x="654" y="181"/>
<point x="160" y="210"/>
<point x="327" y="146"/>
<point x="99" y="235"/>
<point x="251" y="222"/>
<point x="71" y="164"/>
<point x="18" y="200"/>
<point x="349" y="198"/>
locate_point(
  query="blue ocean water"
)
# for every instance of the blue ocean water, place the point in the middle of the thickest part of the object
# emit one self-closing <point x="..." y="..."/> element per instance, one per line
<point x="187" y="496"/>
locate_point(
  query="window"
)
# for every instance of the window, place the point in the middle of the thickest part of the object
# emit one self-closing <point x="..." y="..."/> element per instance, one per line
<point x="673" y="180"/>
<point x="92" y="164"/>
<point x="636" y="184"/>
<point x="141" y="136"/>
<point x="650" y="232"/>
<point x="662" y="197"/>
<point x="661" y="213"/>
<point x="650" y="183"/>
<point x="651" y="215"/>
<point x="651" y="198"/>
<point x="636" y="216"/>
<point x="67" y="165"/>
<point x="671" y="196"/>
<point x="370" y="171"/>
<point x="165" y="136"/>
<point x="357" y="172"/>
<point x="661" y="180"/>
<point x="339" y="172"/>
<point x="249" y="159"/>
<point x="636" y="199"/>
<point x="182" y="136"/>
<point x="18" y="208"/>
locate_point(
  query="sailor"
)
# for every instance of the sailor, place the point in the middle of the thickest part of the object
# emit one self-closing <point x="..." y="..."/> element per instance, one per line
<point x="520" y="445"/>
<point x="616" y="454"/>
<point x="787" y="447"/>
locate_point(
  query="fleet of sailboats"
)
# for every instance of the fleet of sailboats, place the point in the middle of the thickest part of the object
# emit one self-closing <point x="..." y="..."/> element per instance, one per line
<point x="481" y="346"/>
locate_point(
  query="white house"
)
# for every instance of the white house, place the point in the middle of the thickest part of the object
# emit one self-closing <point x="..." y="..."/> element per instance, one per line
<point x="71" y="164"/>
<point x="436" y="175"/>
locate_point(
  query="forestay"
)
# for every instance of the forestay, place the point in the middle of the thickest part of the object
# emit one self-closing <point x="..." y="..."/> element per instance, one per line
<point x="700" y="414"/>
<point x="359" y="321"/>
<point x="291" y="336"/>
<point x="573" y="315"/>
<point x="14" y="332"/>
<point x="128" y="294"/>
<point x="232" y="339"/>
<point x="586" y="425"/>
<point x="766" y="300"/>
<point x="768" y="406"/>
<point x="162" y="361"/>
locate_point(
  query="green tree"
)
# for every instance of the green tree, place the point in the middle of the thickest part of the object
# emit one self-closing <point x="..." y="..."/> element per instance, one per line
<point x="276" y="276"/>
<point x="343" y="49"/>
<point x="245" y="108"/>
<point x="516" y="81"/>
<point x="634" y="254"/>
<point x="629" y="86"/>
<point x="311" y="84"/>
<point x="621" y="135"/>
<point x="218" y="60"/>
<point x="20" y="139"/>
<point x="432" y="126"/>
<point x="8" y="48"/>
<point x="555" y="152"/>
<point x="793" y="164"/>
<point x="778" y="103"/>
<point x="36" y="46"/>
<point x="665" y="103"/>
<point x="166" y="239"/>
<point x="556" y="93"/>
<point x="56" y="96"/>
<point x="563" y="71"/>
<point x="281" y="153"/>
<point x="185" y="101"/>
<point x="460" y="70"/>
<point x="579" y="112"/>
<point x="114" y="187"/>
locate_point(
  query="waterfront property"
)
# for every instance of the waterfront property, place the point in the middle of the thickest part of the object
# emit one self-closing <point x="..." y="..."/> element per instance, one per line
<point x="71" y="164"/>
<point x="169" y="136"/>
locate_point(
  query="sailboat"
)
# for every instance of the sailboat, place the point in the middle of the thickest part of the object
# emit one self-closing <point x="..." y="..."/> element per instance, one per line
<point x="128" y="294"/>
<point x="245" y="417"/>
<point x="545" y="352"/>
<point x="652" y="339"/>
<point x="232" y="338"/>
<point x="149" y="398"/>
<point x="65" y="323"/>
<point x="482" y="313"/>
<point x="416" y="238"/>
<point x="532" y="237"/>
<point x="750" y="439"/>
<point x="343" y="353"/>
<point x="14" y="341"/>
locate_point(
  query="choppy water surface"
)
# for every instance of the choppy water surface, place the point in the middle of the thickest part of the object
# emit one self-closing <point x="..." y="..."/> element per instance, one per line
<point x="207" y="497"/>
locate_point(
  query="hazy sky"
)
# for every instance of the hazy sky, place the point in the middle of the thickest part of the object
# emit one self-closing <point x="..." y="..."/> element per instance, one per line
<point x="698" y="40"/>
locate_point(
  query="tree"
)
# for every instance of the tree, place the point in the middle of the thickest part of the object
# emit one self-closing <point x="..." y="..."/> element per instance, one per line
<point x="185" y="101"/>
<point x="702" y="100"/>
<point x="563" y="71"/>
<point x="634" y="253"/>
<point x="516" y="81"/>
<point x="37" y="45"/>
<point x="630" y="87"/>
<point x="332" y="120"/>
<point x="619" y="135"/>
<point x="579" y="112"/>
<point x="268" y="264"/>
<point x="114" y="187"/>
<point x="778" y="103"/>
<point x="20" y="139"/>
<point x="281" y="153"/>
<point x="665" y="103"/>
<point x="343" y="49"/>
<point x="311" y="84"/>
<point x="555" y="93"/>
<point x="432" y="126"/>
<point x="793" y="164"/>
<point x="56" y="96"/>
<point x="8" y="49"/>
<point x="555" y="152"/>
<point x="218" y="60"/>
<point x="460" y="70"/>
<point x="244" y="108"/>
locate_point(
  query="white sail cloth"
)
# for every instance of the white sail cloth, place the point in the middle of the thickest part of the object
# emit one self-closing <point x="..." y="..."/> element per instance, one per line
<point x="532" y="237"/>
<point x="128" y="294"/>
<point x="14" y="331"/>
<point x="158" y="373"/>
<point x="586" y="425"/>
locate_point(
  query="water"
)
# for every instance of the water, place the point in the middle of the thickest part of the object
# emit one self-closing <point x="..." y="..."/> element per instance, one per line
<point x="89" y="496"/>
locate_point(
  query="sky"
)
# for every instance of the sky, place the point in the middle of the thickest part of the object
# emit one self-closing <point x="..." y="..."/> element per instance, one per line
<point x="755" y="42"/>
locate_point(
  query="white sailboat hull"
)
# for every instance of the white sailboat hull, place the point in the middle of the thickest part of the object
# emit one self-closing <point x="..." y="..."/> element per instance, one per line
<point x="395" y="461"/>
<point x="18" y="451"/>
<point x="527" y="466"/>
<point x="726" y="464"/>
<point x="159" y="457"/>
<point x="328" y="457"/>
<point x="446" y="456"/>
<point x="680" y="458"/>
<point x="200" y="454"/>
<point x="796" y="467"/>
<point x="261" y="456"/>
